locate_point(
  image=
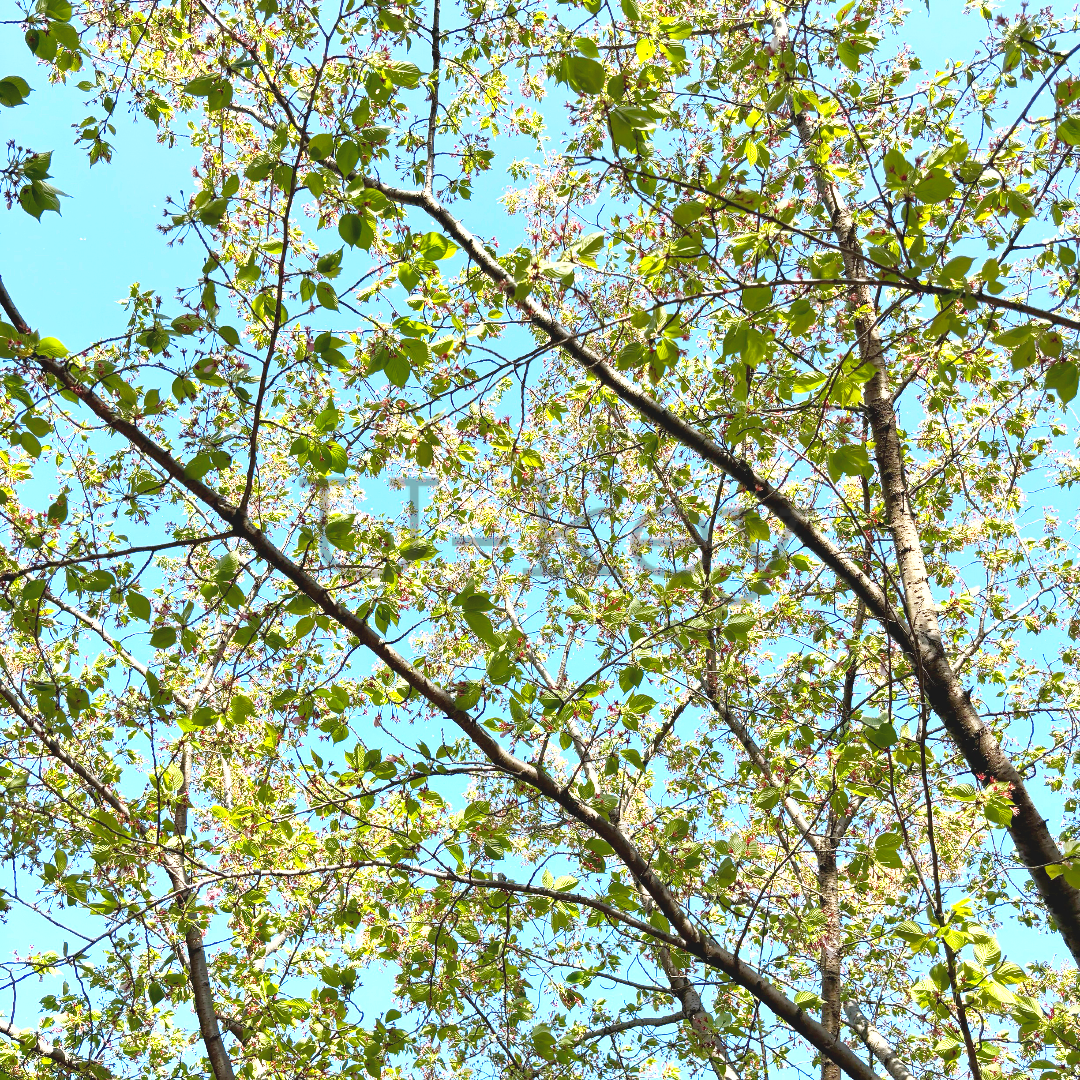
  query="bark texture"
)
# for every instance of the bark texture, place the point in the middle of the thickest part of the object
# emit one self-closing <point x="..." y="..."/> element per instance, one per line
<point x="876" y="1043"/>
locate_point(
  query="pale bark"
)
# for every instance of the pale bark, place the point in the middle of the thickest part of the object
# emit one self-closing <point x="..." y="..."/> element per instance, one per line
<point x="699" y="1018"/>
<point x="876" y="1043"/>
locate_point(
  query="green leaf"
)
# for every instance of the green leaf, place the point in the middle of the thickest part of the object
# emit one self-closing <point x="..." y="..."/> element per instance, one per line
<point x="756" y="526"/>
<point x="227" y="566"/>
<point x="38" y="198"/>
<point x="766" y="798"/>
<point x="216" y="89"/>
<point x="186" y="324"/>
<point x="50" y="346"/>
<point x="1051" y="343"/>
<point x="757" y="297"/>
<point x="887" y="850"/>
<point x="416" y="351"/>
<point x="375" y="133"/>
<point x="326" y="296"/>
<point x="402" y="73"/>
<point x="418" y="549"/>
<point x="469" y="696"/>
<point x="13" y="91"/>
<point x="805" y="384"/>
<point x="434" y="247"/>
<point x="320" y="146"/>
<point x="33" y="590"/>
<point x="584" y="75"/>
<point x="259" y="168"/>
<point x="849" y="55"/>
<point x="240" y="708"/>
<point x="688" y="212"/>
<point x="481" y="626"/>
<point x="910" y="932"/>
<point x="213" y="211"/>
<point x="164" y="637"/>
<point x="800" y="317"/>
<point x="1062" y="378"/>
<point x="397" y="368"/>
<point x="738" y="626"/>
<point x="348" y="154"/>
<point x="1068" y="131"/>
<point x="58" y="511"/>
<point x="201" y="85"/>
<point x="339" y="531"/>
<point x="630" y="125"/>
<point x="138" y="605"/>
<point x="473" y="601"/>
<point x="935" y="187"/>
<point x="851" y="460"/>
<point x="219" y="96"/>
<point x="355" y="231"/>
<point x="1067" y="91"/>
<point x="499" y="667"/>
<point x="882" y="735"/>
<point x="955" y="270"/>
<point x="899" y="172"/>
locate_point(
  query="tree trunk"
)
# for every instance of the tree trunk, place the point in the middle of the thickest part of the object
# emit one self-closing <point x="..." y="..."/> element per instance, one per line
<point x="829" y="898"/>
<point x="1034" y="842"/>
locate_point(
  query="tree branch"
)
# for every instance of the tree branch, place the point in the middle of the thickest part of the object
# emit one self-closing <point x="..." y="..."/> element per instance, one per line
<point x="12" y="311"/>
<point x="875" y="1043"/>
<point x="626" y="1025"/>
<point x="946" y="695"/>
<point x="56" y="1054"/>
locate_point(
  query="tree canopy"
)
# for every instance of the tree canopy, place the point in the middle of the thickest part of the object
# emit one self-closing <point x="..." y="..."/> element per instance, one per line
<point x="716" y="713"/>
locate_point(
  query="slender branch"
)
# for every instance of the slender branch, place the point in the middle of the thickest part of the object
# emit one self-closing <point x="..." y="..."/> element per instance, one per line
<point x="98" y="787"/>
<point x="580" y="745"/>
<point x="894" y="279"/>
<point x="99" y="629"/>
<point x="627" y="1025"/>
<point x="754" y="752"/>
